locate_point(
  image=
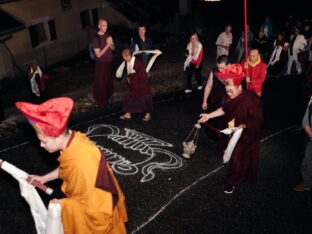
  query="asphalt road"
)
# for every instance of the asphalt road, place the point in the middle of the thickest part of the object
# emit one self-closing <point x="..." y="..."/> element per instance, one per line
<point x="168" y="194"/>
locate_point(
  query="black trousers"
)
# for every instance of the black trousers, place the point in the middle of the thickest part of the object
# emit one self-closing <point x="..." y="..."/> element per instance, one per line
<point x="189" y="72"/>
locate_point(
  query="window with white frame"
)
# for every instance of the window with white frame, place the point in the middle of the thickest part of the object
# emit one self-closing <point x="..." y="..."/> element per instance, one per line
<point x="42" y="32"/>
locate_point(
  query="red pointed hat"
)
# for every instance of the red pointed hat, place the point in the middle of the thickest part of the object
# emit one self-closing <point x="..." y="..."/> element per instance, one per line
<point x="49" y="118"/>
<point x="234" y="72"/>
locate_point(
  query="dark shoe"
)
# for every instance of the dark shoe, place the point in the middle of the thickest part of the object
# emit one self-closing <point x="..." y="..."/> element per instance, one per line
<point x="301" y="188"/>
<point x="228" y="189"/>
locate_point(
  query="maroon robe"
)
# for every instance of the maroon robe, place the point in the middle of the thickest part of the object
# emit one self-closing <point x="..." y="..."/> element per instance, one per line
<point x="138" y="97"/>
<point x="103" y="76"/>
<point x="245" y="109"/>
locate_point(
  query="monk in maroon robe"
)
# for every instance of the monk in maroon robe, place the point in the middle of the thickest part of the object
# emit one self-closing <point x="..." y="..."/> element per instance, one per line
<point x="138" y="97"/>
<point x="243" y="110"/>
<point x="103" y="47"/>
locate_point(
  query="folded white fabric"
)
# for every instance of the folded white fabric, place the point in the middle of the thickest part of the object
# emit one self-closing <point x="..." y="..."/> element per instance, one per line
<point x="37" y="208"/>
<point x="54" y="222"/>
<point x="45" y="222"/>
<point x="156" y="53"/>
<point x="237" y="132"/>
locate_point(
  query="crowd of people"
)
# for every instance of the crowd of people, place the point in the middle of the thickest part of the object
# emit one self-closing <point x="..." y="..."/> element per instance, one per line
<point x="94" y="202"/>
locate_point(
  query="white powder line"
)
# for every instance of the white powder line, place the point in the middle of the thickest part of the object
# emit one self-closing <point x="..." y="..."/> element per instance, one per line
<point x="200" y="179"/>
<point x="175" y="197"/>
<point x="277" y="133"/>
<point x="16" y="146"/>
<point x="186" y="188"/>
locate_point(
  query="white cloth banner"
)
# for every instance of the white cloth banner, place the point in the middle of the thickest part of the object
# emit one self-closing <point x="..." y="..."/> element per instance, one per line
<point x="33" y="82"/>
<point x="37" y="207"/>
<point x="237" y="132"/>
<point x="156" y="53"/>
<point x="54" y="222"/>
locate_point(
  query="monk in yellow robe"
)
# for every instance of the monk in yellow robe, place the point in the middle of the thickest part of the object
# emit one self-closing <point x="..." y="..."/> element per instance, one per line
<point x="94" y="202"/>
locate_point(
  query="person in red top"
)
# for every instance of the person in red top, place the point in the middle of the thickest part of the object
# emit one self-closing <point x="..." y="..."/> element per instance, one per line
<point x="194" y="53"/>
<point x="256" y="71"/>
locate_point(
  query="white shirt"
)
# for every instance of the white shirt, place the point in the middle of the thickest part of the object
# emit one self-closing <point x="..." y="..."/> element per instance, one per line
<point x="130" y="66"/>
<point x="225" y="40"/>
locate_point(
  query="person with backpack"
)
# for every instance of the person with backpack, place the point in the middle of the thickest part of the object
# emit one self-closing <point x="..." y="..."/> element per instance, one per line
<point x="103" y="46"/>
<point x="142" y="42"/>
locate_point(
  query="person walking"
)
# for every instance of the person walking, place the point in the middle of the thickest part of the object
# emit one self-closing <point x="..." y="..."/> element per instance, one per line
<point x="297" y="44"/>
<point x="243" y="110"/>
<point x="138" y="97"/>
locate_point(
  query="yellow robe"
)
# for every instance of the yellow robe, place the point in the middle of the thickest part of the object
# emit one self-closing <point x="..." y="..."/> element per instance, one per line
<point x="87" y="209"/>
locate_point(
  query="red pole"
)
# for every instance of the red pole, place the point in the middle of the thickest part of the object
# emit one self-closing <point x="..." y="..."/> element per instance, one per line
<point x="246" y="38"/>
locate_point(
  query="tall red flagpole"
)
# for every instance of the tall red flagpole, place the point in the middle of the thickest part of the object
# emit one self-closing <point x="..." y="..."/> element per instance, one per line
<point x="246" y="37"/>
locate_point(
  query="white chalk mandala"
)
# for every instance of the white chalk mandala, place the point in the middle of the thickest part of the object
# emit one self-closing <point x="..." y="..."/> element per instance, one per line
<point x="151" y="155"/>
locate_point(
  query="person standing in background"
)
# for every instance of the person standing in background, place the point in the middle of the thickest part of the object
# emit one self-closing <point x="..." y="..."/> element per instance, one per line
<point x="261" y="42"/>
<point x="37" y="82"/>
<point x="256" y="71"/>
<point x="103" y="47"/>
<point x="278" y="58"/>
<point x="297" y="44"/>
<point x="194" y="56"/>
<point x="240" y="47"/>
<point x="224" y="41"/>
<point x="141" y="42"/>
<point x="306" y="165"/>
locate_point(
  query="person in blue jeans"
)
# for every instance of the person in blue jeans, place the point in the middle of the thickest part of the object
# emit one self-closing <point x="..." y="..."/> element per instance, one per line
<point x="306" y="165"/>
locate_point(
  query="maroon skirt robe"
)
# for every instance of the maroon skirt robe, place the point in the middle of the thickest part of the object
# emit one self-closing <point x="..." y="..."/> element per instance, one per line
<point x="138" y="97"/>
<point x="103" y="83"/>
<point x="104" y="76"/>
<point x="245" y="109"/>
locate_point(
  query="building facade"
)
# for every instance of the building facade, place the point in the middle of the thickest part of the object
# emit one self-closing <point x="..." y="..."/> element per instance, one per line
<point x="55" y="30"/>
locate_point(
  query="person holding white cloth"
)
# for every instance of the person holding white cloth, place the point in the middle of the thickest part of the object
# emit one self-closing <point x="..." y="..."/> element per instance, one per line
<point x="194" y="53"/>
<point x="297" y="44"/>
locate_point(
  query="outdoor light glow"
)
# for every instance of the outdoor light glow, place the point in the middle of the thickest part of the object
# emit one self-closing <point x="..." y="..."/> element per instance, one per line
<point x="211" y="0"/>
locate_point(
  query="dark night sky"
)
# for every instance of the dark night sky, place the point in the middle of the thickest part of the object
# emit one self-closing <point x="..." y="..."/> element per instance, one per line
<point x="232" y="11"/>
<point x="225" y="11"/>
